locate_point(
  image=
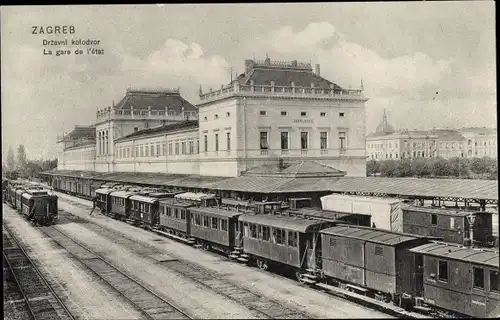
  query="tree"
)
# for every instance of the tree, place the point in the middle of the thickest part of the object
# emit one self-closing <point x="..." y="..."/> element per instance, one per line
<point x="405" y="168"/>
<point x="11" y="162"/>
<point x="459" y="167"/>
<point x="32" y="168"/>
<point x="441" y="168"/>
<point x="421" y="167"/>
<point x="389" y="168"/>
<point x="21" y="158"/>
<point x="372" y="167"/>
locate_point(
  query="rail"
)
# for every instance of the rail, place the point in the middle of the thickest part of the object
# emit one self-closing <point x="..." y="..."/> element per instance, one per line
<point x="39" y="274"/>
<point x="100" y="263"/>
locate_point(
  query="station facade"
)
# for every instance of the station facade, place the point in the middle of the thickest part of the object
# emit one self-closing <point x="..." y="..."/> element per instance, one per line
<point x="273" y="112"/>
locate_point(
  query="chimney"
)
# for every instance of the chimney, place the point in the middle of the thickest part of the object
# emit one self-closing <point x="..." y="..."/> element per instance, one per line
<point x="317" y="69"/>
<point x="248" y="66"/>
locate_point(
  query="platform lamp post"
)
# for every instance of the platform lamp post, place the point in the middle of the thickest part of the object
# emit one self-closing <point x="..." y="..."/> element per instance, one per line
<point x="471" y="218"/>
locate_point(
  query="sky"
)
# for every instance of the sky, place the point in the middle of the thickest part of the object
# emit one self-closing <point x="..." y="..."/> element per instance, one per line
<point x="429" y="64"/>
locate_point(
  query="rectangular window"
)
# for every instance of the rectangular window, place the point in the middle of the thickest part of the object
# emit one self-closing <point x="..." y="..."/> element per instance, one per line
<point x="152" y="149"/>
<point x="228" y="141"/>
<point x="253" y="231"/>
<point x="157" y="149"/>
<point x="283" y="113"/>
<point x="197" y="220"/>
<point x="292" y="238"/>
<point x="183" y="147"/>
<point x="215" y="223"/>
<point x="177" y="148"/>
<point x="443" y="271"/>
<point x="284" y="140"/>
<point x="493" y="280"/>
<point x="146" y="150"/>
<point x="434" y="219"/>
<point x="142" y="150"/>
<point x="170" y="148"/>
<point x="216" y="142"/>
<point x="304" y="140"/>
<point x="259" y="232"/>
<point x="266" y="233"/>
<point x="205" y="222"/>
<point x="342" y="142"/>
<point x="183" y="214"/>
<point x="341" y="114"/>
<point x="176" y="213"/>
<point x="379" y="251"/>
<point x="452" y="223"/>
<point x="223" y="224"/>
<point x="163" y="148"/>
<point x="478" y="278"/>
<point x="263" y="140"/>
<point x="303" y="114"/>
<point x="206" y="143"/>
<point x="323" y="140"/>
<point x="263" y="113"/>
<point x="322" y="114"/>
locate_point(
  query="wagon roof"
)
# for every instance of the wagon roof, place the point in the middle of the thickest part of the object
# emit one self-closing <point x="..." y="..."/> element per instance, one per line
<point x="104" y="190"/>
<point x="444" y="211"/>
<point x="370" y="234"/>
<point x="177" y="202"/>
<point x="235" y="202"/>
<point x="457" y="252"/>
<point x="319" y="213"/>
<point x="194" y="196"/>
<point x="216" y="212"/>
<point x="285" y="222"/>
<point x="143" y="199"/>
<point x="121" y="193"/>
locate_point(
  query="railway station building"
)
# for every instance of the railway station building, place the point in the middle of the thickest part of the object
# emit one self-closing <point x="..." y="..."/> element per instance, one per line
<point x="274" y="112"/>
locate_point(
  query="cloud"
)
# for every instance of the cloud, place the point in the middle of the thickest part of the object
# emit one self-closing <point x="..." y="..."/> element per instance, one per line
<point x="405" y="84"/>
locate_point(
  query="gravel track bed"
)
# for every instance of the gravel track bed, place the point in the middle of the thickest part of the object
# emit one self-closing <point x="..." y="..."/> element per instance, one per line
<point x="149" y="303"/>
<point x="83" y="294"/>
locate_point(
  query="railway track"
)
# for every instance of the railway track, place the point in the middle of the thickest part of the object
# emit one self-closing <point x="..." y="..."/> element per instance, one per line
<point x="146" y="249"/>
<point x="266" y="307"/>
<point x="145" y="300"/>
<point x="26" y="292"/>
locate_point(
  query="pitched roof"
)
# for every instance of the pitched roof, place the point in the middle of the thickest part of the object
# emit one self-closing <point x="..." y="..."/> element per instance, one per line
<point x="283" y="74"/>
<point x="370" y="234"/>
<point x="457" y="252"/>
<point x="81" y="132"/>
<point x="157" y="99"/>
<point x="295" y="169"/>
<point x="448" y="135"/>
<point x="189" y="124"/>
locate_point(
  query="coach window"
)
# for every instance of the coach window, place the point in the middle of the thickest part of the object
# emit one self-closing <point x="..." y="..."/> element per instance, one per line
<point x="245" y="229"/>
<point x="215" y="223"/>
<point x="205" y="222"/>
<point x="197" y="219"/>
<point x="253" y="231"/>
<point x="223" y="224"/>
<point x="292" y="238"/>
<point x="259" y="232"/>
<point x="443" y="271"/>
<point x="183" y="214"/>
<point x="434" y="219"/>
<point x="176" y="213"/>
<point x="494" y="280"/>
<point x="266" y="234"/>
<point x="478" y="278"/>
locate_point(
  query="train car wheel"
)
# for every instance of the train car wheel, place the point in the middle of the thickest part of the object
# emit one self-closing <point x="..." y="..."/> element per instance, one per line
<point x="205" y="246"/>
<point x="298" y="275"/>
<point x="262" y="264"/>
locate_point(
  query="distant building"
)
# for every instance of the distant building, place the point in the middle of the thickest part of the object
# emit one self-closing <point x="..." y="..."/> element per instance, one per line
<point x="385" y="143"/>
<point x="479" y="142"/>
<point x="274" y="111"/>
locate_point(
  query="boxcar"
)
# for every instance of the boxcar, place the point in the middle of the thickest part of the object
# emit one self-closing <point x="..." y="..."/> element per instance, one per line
<point x="370" y="260"/>
<point x="40" y="206"/>
<point x="451" y="225"/>
<point x="174" y="217"/>
<point x="460" y="279"/>
<point x="18" y="197"/>
<point x="283" y="240"/>
<point x="215" y="228"/>
<point x="202" y="199"/>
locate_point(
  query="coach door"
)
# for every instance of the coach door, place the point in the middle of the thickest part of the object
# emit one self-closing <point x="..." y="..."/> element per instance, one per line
<point x="419" y="275"/>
